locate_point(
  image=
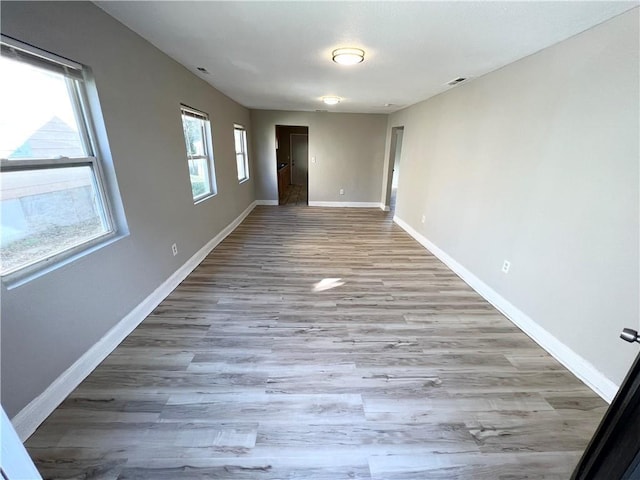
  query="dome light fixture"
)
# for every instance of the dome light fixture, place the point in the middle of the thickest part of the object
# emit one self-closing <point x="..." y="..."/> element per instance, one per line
<point x="348" y="56"/>
<point x="331" y="100"/>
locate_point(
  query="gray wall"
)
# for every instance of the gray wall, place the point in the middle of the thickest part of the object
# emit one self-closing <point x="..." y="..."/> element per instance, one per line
<point x="349" y="151"/>
<point x="49" y="322"/>
<point x="537" y="163"/>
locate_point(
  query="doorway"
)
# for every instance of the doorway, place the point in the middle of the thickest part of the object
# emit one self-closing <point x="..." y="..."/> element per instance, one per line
<point x="395" y="152"/>
<point x="292" y="164"/>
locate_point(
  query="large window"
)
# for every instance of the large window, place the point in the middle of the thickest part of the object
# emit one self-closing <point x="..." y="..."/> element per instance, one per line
<point x="52" y="199"/>
<point x="242" y="160"/>
<point x="197" y="137"/>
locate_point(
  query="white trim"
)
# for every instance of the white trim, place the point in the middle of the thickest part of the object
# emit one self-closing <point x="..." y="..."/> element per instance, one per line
<point x="385" y="208"/>
<point x="51" y="57"/>
<point x="266" y="202"/>
<point x="30" y="417"/>
<point x="15" y="462"/>
<point x="345" y="204"/>
<point x="576" y="364"/>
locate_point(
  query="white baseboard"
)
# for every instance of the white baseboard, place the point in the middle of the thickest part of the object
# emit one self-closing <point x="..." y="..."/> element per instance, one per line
<point x="30" y="417"/>
<point x="385" y="208"/>
<point x="345" y="204"/>
<point x="266" y="202"/>
<point x="580" y="367"/>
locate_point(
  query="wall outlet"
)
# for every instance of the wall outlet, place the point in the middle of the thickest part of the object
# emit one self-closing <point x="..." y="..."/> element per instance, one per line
<point x="506" y="265"/>
<point x="342" y="191"/>
<point x="423" y="219"/>
<point x="174" y="249"/>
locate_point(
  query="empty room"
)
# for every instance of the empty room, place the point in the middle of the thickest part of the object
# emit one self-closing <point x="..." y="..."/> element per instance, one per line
<point x="320" y="240"/>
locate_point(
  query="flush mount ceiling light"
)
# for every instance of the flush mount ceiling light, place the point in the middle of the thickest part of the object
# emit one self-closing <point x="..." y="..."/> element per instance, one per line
<point x="331" y="100"/>
<point x="348" y="56"/>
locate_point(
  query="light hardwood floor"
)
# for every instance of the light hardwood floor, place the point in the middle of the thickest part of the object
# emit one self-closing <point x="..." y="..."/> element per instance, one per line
<point x="295" y="195"/>
<point x="244" y="372"/>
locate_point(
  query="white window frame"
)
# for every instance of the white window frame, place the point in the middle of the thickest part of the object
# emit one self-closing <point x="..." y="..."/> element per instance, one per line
<point x="244" y="153"/>
<point x="75" y="79"/>
<point x="207" y="147"/>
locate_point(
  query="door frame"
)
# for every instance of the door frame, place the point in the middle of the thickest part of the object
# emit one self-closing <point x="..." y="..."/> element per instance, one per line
<point x="393" y="146"/>
<point x="276" y="126"/>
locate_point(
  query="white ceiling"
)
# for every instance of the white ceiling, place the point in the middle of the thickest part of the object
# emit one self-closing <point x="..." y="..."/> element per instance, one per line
<point x="277" y="55"/>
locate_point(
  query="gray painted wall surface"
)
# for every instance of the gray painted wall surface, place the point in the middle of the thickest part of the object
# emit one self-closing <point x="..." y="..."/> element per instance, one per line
<point x="537" y="163"/>
<point x="51" y="321"/>
<point x="349" y="151"/>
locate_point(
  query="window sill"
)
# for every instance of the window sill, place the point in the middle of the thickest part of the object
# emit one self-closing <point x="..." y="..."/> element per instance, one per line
<point x="27" y="274"/>
<point x="244" y="180"/>
<point x="203" y="199"/>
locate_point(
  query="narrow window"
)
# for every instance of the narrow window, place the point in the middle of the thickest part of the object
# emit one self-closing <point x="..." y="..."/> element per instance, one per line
<point x="52" y="199"/>
<point x="242" y="160"/>
<point x="197" y="138"/>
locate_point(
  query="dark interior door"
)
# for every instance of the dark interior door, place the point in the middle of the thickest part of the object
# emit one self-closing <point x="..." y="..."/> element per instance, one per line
<point x="299" y="158"/>
<point x="614" y="450"/>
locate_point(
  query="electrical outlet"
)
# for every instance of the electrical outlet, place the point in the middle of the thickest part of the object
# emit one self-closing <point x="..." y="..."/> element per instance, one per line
<point x="423" y="219"/>
<point x="174" y="249"/>
<point x="506" y="265"/>
<point x="342" y="191"/>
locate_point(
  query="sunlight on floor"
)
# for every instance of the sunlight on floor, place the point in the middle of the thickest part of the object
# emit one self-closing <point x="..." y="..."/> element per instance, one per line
<point x="327" y="284"/>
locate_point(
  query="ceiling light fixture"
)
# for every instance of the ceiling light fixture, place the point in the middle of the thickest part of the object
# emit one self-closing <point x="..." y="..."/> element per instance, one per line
<point x="331" y="100"/>
<point x="348" y="56"/>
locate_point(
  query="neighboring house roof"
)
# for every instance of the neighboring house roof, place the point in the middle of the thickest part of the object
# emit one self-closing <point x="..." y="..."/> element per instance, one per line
<point x="53" y="139"/>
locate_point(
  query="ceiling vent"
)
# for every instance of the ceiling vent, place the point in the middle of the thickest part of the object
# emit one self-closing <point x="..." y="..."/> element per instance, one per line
<point x="456" y="81"/>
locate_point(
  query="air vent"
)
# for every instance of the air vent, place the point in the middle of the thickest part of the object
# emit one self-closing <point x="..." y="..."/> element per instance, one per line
<point x="456" y="81"/>
<point x="203" y="70"/>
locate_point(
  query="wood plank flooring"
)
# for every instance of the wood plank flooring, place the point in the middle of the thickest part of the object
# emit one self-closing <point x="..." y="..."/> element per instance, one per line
<point x="295" y="195"/>
<point x="246" y="372"/>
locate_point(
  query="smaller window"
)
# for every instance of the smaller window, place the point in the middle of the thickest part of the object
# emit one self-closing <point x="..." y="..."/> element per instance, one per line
<point x="197" y="138"/>
<point x="242" y="160"/>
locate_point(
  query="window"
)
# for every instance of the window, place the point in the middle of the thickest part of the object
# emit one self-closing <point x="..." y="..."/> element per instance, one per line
<point x="197" y="137"/>
<point x="52" y="199"/>
<point x="242" y="160"/>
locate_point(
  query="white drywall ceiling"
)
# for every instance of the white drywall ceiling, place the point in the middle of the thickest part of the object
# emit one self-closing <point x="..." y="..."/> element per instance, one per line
<point x="277" y="55"/>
